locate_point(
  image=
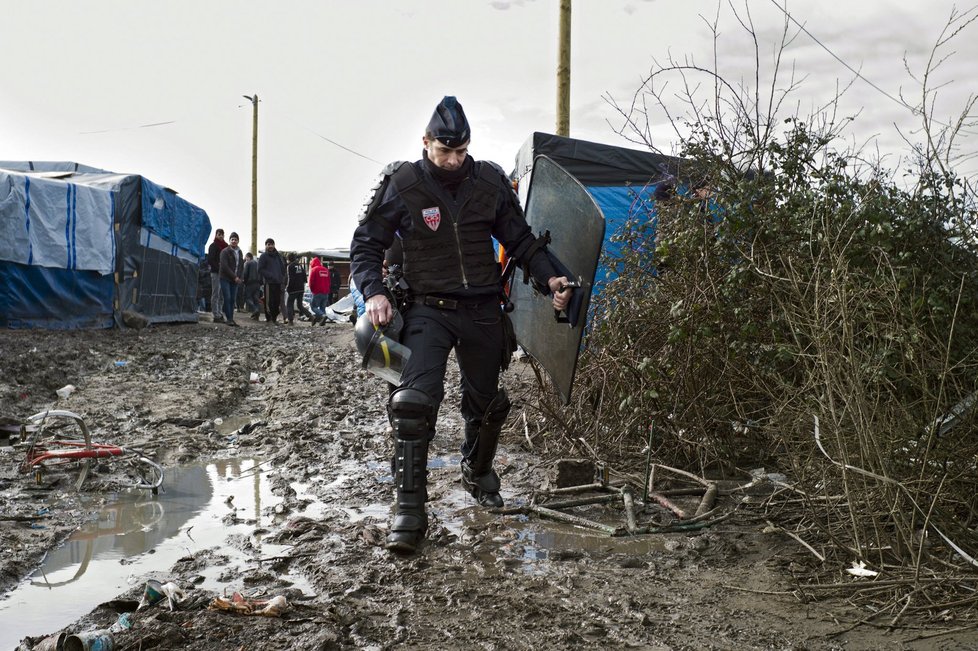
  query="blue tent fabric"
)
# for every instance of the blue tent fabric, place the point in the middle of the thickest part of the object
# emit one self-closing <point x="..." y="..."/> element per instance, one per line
<point x="174" y="219"/>
<point x="622" y="182"/>
<point x="59" y="299"/>
<point x="80" y="245"/>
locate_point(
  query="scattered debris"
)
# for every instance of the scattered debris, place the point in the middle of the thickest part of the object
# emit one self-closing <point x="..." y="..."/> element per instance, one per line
<point x="859" y="569"/>
<point x="240" y="605"/>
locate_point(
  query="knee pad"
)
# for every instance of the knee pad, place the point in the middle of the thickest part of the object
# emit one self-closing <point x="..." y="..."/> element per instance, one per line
<point x="497" y="411"/>
<point x="412" y="413"/>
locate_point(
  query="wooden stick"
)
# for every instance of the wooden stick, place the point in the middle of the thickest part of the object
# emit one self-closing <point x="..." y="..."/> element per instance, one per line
<point x="582" y="501"/>
<point x="709" y="499"/>
<point x="575" y="520"/>
<point x="683" y="526"/>
<point x="663" y="501"/>
<point x="583" y="488"/>
<point x="683" y="473"/>
<point x="674" y="492"/>
<point x="629" y="511"/>
<point x="797" y="538"/>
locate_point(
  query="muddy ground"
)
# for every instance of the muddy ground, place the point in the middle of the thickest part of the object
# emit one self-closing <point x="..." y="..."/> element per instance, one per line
<point x="476" y="583"/>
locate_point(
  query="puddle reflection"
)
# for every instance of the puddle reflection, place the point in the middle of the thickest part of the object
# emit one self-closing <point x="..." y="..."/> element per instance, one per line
<point x="136" y="536"/>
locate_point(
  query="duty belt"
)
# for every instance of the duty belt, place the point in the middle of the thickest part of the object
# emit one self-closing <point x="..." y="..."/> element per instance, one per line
<point x="445" y="303"/>
<point x="439" y="302"/>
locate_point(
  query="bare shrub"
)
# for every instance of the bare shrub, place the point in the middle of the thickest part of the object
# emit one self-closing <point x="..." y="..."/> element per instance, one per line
<point x="790" y="287"/>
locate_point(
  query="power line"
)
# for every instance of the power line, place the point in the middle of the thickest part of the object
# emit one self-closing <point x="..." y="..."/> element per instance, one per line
<point x="141" y="126"/>
<point x="331" y="141"/>
<point x="858" y="74"/>
<point x="899" y="101"/>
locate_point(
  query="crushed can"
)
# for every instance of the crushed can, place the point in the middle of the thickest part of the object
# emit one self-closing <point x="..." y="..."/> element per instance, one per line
<point x="90" y="641"/>
<point x="54" y="642"/>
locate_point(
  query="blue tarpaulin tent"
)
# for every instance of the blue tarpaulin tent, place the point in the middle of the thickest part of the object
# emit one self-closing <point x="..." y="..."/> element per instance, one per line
<point x="80" y="245"/>
<point x="622" y="181"/>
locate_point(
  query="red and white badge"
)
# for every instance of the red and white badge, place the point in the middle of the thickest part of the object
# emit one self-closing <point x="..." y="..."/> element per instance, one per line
<point x="432" y="217"/>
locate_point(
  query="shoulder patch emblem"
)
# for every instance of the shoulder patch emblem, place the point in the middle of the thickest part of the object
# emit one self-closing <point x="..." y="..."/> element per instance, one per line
<point x="432" y="217"/>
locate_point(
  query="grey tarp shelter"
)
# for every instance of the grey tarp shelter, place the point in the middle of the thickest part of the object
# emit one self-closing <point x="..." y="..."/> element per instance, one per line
<point x="80" y="245"/>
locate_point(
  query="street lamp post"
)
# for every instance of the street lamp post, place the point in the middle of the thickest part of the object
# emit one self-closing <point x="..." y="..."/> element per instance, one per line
<point x="254" y="174"/>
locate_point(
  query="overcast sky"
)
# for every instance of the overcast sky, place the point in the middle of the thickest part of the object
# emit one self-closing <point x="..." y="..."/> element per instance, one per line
<point x="348" y="86"/>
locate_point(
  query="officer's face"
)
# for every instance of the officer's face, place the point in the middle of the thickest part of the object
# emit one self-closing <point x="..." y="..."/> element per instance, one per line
<point x="447" y="158"/>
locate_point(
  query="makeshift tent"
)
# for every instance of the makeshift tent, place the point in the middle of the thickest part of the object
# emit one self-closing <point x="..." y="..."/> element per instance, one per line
<point x="79" y="246"/>
<point x="622" y="181"/>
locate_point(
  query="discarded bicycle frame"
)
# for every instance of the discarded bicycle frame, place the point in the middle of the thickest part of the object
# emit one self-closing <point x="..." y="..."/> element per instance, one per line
<point x="43" y="454"/>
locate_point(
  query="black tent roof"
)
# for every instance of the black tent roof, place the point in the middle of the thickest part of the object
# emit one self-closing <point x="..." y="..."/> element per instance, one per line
<point x="594" y="163"/>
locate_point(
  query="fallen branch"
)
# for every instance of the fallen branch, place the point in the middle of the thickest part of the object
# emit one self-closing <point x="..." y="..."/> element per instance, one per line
<point x="797" y="539"/>
<point x="709" y="499"/>
<point x="661" y="499"/>
<point x="629" y="511"/>
<point x="582" y="501"/>
<point x="683" y="526"/>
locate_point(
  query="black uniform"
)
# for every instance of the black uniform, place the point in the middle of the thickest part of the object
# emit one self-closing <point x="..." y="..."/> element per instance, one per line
<point x="445" y="221"/>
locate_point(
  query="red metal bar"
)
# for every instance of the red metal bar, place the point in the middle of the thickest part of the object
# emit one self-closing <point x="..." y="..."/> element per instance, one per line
<point x="95" y="451"/>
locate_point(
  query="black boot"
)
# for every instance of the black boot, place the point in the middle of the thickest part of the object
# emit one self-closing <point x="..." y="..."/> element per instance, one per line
<point x="410" y="521"/>
<point x="478" y="476"/>
<point x="411" y="414"/>
<point x="484" y="488"/>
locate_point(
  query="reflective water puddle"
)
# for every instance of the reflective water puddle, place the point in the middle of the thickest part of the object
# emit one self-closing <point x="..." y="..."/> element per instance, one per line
<point x="136" y="536"/>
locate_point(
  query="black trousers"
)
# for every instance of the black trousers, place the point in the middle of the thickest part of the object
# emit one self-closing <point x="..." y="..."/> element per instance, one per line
<point x="295" y="304"/>
<point x="475" y="331"/>
<point x="273" y="300"/>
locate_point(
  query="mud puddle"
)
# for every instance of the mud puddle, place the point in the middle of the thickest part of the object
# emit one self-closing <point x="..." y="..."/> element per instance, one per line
<point x="135" y="536"/>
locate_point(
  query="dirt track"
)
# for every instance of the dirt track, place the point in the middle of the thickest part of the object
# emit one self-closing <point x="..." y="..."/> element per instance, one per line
<point x="480" y="581"/>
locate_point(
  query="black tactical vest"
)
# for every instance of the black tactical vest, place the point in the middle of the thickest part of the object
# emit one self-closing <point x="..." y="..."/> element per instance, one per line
<point x="450" y="244"/>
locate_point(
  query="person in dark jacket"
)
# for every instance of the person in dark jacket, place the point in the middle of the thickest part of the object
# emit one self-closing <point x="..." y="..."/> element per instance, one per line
<point x="252" y="285"/>
<point x="232" y="268"/>
<point x="214" y="259"/>
<point x="296" y="288"/>
<point x="334" y="282"/>
<point x="271" y="269"/>
<point x="445" y="208"/>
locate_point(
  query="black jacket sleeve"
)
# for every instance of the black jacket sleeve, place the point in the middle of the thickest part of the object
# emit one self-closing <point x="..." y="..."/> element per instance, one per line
<point x="374" y="236"/>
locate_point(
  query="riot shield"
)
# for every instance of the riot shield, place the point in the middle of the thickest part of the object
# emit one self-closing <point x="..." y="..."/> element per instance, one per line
<point x="557" y="202"/>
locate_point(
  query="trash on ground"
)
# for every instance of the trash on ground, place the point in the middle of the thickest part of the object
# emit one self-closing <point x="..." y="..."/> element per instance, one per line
<point x="273" y="607"/>
<point x="66" y="391"/>
<point x="859" y="569"/>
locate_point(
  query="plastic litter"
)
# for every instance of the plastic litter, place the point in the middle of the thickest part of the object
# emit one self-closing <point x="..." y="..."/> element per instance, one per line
<point x="152" y="594"/>
<point x="859" y="569"/>
<point x="124" y="623"/>
<point x="66" y="391"/>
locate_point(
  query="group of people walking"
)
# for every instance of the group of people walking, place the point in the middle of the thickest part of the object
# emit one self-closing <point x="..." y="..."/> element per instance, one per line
<point x="270" y="284"/>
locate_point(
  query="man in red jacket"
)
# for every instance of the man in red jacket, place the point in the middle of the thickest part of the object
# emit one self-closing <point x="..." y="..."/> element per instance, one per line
<point x="319" y="285"/>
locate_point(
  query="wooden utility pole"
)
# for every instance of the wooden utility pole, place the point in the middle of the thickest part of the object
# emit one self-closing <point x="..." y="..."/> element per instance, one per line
<point x="563" y="70"/>
<point x="254" y="174"/>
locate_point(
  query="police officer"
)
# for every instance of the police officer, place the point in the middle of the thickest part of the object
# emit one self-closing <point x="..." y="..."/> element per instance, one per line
<point x="444" y="209"/>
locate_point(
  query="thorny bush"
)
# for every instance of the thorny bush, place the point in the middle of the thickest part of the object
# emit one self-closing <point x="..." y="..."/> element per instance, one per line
<point x="807" y="314"/>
